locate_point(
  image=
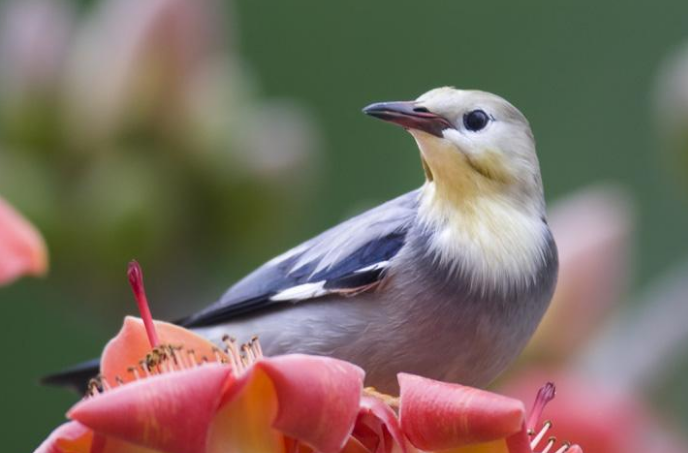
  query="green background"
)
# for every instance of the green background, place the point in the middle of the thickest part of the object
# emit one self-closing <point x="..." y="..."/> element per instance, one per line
<point x="582" y="72"/>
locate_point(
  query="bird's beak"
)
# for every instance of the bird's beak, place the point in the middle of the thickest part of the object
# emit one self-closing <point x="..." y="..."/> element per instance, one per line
<point x="409" y="115"/>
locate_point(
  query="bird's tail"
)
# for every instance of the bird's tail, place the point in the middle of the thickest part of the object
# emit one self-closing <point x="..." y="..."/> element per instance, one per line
<point x="76" y="377"/>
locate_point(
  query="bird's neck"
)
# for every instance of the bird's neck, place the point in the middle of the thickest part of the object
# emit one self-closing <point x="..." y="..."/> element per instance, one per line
<point x="490" y="239"/>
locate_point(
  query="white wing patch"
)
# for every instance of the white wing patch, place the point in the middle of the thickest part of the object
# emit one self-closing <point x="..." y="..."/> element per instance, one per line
<point x="317" y="289"/>
<point x="301" y="292"/>
<point x="373" y="267"/>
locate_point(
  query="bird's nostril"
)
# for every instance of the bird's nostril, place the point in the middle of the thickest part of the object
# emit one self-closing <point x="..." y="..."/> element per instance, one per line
<point x="421" y="110"/>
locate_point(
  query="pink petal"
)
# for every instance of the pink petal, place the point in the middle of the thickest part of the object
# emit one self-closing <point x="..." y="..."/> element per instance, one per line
<point x="437" y="415"/>
<point x="313" y="400"/>
<point x="170" y="412"/>
<point x="22" y="250"/>
<point x="318" y="398"/>
<point x="131" y="345"/>
<point x="519" y="442"/>
<point x="72" y="435"/>
<point x="378" y="418"/>
<point x="355" y="446"/>
<point x="104" y="444"/>
<point x="244" y="422"/>
<point x="103" y="88"/>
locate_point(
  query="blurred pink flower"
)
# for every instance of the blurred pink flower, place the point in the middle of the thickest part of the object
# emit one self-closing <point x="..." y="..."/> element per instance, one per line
<point x="169" y="71"/>
<point x="34" y="38"/>
<point x="604" y="413"/>
<point x="600" y="418"/>
<point x="153" y="48"/>
<point x="593" y="230"/>
<point x="22" y="250"/>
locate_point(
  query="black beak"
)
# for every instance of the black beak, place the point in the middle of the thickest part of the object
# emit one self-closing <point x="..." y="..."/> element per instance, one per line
<point x="409" y="115"/>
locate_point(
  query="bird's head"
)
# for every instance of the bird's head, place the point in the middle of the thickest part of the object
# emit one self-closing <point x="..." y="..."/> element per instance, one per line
<point x="473" y="145"/>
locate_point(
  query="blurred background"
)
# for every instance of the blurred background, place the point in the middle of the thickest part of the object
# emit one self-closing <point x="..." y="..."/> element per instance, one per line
<point x="204" y="137"/>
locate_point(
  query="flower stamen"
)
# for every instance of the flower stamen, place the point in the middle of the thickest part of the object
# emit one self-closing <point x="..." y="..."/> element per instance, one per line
<point x="246" y="354"/>
<point x="232" y="352"/>
<point x="94" y="387"/>
<point x="218" y="356"/>
<point x="257" y="349"/>
<point x="564" y="448"/>
<point x="545" y="427"/>
<point x="550" y="443"/>
<point x="144" y="367"/>
<point x="104" y="383"/>
<point x="134" y="372"/>
<point x="191" y="354"/>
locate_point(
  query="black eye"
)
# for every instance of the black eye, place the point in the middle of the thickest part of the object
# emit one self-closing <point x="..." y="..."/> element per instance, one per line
<point x="475" y="120"/>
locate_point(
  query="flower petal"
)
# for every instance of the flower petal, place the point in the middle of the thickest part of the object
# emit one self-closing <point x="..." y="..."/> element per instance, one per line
<point x="244" y="423"/>
<point x="312" y="399"/>
<point x="131" y="345"/>
<point x="495" y="446"/>
<point x="318" y="398"/>
<point x="355" y="446"/>
<point x="72" y="437"/>
<point x="519" y="442"/>
<point x="104" y="444"/>
<point x="22" y="250"/>
<point x="437" y="415"/>
<point x="169" y="412"/>
<point x="376" y="418"/>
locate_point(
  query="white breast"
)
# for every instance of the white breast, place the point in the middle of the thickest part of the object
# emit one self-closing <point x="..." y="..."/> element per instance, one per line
<point x="492" y="241"/>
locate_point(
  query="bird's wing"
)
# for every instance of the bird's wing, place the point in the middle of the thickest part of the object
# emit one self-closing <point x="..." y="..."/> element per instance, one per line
<point x="348" y="258"/>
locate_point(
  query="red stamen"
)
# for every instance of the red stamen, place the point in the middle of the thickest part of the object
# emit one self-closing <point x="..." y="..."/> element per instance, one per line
<point x="136" y="281"/>
<point x="544" y="396"/>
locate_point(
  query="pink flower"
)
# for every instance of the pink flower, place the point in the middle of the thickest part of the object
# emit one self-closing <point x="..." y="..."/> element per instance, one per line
<point x="188" y="396"/>
<point x="22" y="250"/>
<point x="593" y="231"/>
<point x="153" y="49"/>
<point x="602" y="363"/>
<point x="185" y="395"/>
<point x="601" y="418"/>
<point x="34" y="38"/>
<point x="437" y="416"/>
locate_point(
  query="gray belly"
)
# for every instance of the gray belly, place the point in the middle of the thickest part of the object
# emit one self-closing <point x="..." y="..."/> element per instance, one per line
<point x="425" y="331"/>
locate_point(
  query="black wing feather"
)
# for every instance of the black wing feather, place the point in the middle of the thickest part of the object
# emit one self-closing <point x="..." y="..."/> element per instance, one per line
<point x="344" y="276"/>
<point x="371" y="238"/>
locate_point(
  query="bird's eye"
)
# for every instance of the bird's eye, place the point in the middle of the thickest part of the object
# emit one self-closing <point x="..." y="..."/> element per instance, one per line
<point x="475" y="120"/>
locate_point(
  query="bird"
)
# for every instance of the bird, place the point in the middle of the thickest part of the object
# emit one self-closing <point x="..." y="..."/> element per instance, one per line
<point x="448" y="281"/>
